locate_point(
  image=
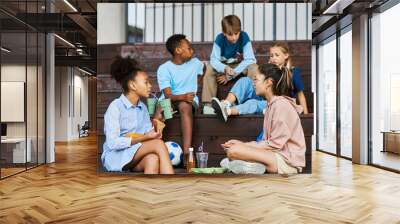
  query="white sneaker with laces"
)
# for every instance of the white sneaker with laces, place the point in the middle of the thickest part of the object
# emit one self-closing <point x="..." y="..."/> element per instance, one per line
<point x="220" y="108"/>
<point x="208" y="110"/>
<point x="243" y="167"/>
<point x="225" y="163"/>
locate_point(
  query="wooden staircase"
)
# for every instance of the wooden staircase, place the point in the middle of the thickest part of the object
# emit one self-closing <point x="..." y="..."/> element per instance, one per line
<point x="207" y="128"/>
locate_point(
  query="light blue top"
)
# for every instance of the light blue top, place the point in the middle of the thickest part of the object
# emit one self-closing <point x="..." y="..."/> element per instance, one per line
<point x="181" y="79"/>
<point x="123" y="117"/>
<point x="241" y="51"/>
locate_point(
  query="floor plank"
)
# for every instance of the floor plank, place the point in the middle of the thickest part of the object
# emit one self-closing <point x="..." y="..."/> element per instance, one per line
<point x="71" y="191"/>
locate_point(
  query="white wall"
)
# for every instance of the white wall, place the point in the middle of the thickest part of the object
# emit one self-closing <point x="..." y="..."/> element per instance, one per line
<point x="17" y="73"/>
<point x="33" y="127"/>
<point x="71" y="94"/>
<point x="112" y="17"/>
<point x="292" y="20"/>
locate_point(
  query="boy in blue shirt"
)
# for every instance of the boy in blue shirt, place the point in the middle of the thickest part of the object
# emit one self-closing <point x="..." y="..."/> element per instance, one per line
<point x="177" y="79"/>
<point x="231" y="55"/>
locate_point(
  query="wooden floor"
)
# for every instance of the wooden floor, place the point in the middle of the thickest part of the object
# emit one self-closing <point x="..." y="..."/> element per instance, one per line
<point x="71" y="191"/>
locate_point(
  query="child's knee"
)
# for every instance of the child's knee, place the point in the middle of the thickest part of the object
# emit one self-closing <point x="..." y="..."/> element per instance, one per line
<point x="160" y="146"/>
<point x="152" y="159"/>
<point x="210" y="71"/>
<point x="159" y="143"/>
<point x="152" y="164"/>
<point x="185" y="108"/>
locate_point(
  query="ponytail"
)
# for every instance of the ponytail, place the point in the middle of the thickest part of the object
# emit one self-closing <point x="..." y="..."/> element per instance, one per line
<point x="123" y="70"/>
<point x="286" y="85"/>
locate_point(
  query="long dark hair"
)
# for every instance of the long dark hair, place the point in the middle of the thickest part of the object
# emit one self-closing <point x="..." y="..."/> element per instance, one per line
<point x="123" y="70"/>
<point x="279" y="77"/>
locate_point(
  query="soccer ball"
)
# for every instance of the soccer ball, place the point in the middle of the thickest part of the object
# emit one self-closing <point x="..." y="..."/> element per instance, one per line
<point x="175" y="153"/>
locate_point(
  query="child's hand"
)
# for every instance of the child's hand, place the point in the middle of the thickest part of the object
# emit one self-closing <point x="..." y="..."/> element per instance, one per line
<point x="228" y="71"/>
<point x="158" y="125"/>
<point x="189" y="97"/>
<point x="222" y="80"/>
<point x="154" y="135"/>
<point x="158" y="114"/>
<point x="225" y="146"/>
<point x="233" y="142"/>
<point x="155" y="125"/>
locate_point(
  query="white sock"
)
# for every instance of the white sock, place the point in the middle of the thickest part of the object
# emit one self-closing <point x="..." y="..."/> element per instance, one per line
<point x="227" y="103"/>
<point x="228" y="110"/>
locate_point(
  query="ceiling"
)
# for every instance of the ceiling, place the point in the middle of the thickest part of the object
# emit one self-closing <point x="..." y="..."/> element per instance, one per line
<point x="330" y="15"/>
<point x="74" y="21"/>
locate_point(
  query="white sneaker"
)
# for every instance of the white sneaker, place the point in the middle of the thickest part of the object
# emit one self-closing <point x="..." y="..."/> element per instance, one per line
<point x="225" y="163"/>
<point x="220" y="108"/>
<point x="208" y="110"/>
<point x="243" y="167"/>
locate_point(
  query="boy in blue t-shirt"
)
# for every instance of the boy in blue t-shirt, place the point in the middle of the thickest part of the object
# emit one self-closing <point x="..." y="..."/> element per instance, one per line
<point x="177" y="79"/>
<point x="231" y="55"/>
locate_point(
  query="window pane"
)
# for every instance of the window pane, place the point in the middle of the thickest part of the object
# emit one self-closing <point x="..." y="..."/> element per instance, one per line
<point x="327" y="96"/>
<point x="13" y="85"/>
<point x="346" y="94"/>
<point x="385" y="84"/>
<point x="31" y="97"/>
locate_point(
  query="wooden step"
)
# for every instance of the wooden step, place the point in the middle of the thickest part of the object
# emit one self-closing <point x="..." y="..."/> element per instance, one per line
<point x="213" y="132"/>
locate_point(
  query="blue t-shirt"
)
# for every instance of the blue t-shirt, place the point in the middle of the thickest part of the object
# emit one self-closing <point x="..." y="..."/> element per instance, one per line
<point x="297" y="81"/>
<point x="182" y="78"/>
<point x="229" y="50"/>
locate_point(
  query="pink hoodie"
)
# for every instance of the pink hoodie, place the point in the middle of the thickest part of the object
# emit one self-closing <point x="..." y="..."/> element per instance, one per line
<point x="283" y="130"/>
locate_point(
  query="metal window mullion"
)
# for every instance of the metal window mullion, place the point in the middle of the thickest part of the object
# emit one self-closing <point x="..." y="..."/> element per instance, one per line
<point x="307" y="21"/>
<point x="192" y="21"/>
<point x="173" y="18"/>
<point x="154" y="22"/>
<point x="338" y="95"/>
<point x="136" y="16"/>
<point x="317" y="96"/>
<point x="254" y="20"/>
<point x="0" y="86"/>
<point x="144" y="27"/>
<point x="202" y="22"/>
<point x="183" y="17"/>
<point x="274" y="21"/>
<point x="163" y="26"/>
<point x="296" y="24"/>
<point x="369" y="79"/>
<point x="26" y="88"/>
<point x="37" y="92"/>
<point x="212" y="21"/>
<point x="285" y="21"/>
<point x="243" y="16"/>
<point x="265" y="19"/>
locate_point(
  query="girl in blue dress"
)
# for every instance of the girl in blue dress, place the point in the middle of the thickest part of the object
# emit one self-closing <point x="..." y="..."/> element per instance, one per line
<point x="127" y="114"/>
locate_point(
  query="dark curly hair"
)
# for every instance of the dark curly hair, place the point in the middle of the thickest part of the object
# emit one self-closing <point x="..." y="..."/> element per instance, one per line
<point x="123" y="70"/>
<point x="173" y="42"/>
<point x="280" y="79"/>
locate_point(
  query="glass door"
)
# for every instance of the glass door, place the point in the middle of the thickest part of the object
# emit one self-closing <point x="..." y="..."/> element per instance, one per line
<point x="346" y="74"/>
<point x="326" y="85"/>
